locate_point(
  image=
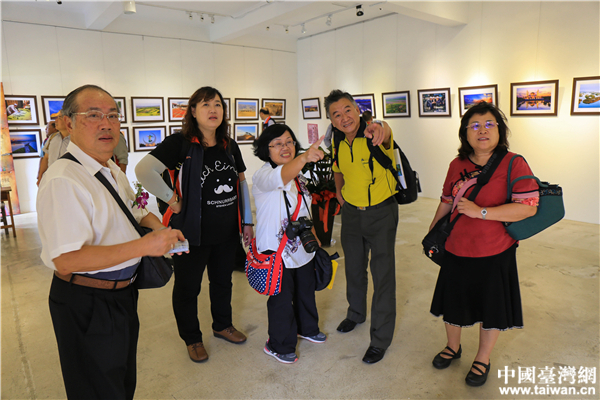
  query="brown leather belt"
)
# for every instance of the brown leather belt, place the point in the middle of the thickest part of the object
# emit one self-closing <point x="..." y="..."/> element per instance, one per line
<point x="82" y="280"/>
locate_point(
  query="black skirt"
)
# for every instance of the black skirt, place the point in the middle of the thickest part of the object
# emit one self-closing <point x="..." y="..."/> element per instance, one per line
<point x="479" y="290"/>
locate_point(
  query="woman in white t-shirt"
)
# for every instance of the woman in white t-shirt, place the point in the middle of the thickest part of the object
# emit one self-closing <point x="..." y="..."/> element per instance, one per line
<point x="293" y="312"/>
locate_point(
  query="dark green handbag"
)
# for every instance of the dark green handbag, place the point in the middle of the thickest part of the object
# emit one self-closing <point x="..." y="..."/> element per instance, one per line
<point x="550" y="210"/>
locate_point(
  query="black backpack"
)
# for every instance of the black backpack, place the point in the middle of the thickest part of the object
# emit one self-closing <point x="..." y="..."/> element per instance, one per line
<point x="413" y="187"/>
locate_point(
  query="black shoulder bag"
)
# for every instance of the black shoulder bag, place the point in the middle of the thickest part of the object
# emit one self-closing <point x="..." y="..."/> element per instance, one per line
<point x="434" y="243"/>
<point x="153" y="272"/>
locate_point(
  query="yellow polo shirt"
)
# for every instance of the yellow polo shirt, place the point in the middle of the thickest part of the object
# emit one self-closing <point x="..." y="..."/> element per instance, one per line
<point x="361" y="189"/>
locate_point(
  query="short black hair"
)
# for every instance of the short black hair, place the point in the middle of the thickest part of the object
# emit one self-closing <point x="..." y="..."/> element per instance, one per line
<point x="367" y="116"/>
<point x="261" y="145"/>
<point x="264" y="111"/>
<point x="481" y="108"/>
<point x="335" y="96"/>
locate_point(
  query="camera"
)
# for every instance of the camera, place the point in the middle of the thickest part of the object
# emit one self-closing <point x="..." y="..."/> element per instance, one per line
<point x="302" y="228"/>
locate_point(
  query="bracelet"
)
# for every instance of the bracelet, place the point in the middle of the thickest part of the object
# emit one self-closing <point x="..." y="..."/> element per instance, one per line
<point x="245" y="224"/>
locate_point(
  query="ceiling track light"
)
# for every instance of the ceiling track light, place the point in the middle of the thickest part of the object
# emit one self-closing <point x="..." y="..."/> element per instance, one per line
<point x="212" y="19"/>
<point x="287" y="29"/>
<point x="359" y="11"/>
<point x="268" y="27"/>
<point x="190" y="16"/>
<point x="202" y="17"/>
<point x="129" y="7"/>
<point x="303" y="29"/>
<point x="328" y="23"/>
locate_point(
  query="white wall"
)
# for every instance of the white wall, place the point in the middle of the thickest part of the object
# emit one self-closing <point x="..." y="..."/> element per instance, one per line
<point x="503" y="42"/>
<point x="51" y="61"/>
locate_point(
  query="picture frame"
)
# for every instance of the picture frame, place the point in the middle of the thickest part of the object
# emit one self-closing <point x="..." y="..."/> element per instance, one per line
<point x="147" y="109"/>
<point x="51" y="105"/>
<point x="227" y="102"/>
<point x="276" y="107"/>
<point x="468" y="96"/>
<point x="246" y="109"/>
<point x="21" y="110"/>
<point x="146" y="138"/>
<point x="174" y="129"/>
<point x="534" y="99"/>
<point x="245" y="133"/>
<point x="365" y="102"/>
<point x="177" y="107"/>
<point x="125" y="132"/>
<point x="26" y="143"/>
<point x="311" y="108"/>
<point x="121" y="105"/>
<point x="585" y="99"/>
<point x="434" y="102"/>
<point x="396" y="104"/>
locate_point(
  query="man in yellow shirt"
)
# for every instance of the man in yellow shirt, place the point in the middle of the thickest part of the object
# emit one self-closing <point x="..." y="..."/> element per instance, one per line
<point x="369" y="220"/>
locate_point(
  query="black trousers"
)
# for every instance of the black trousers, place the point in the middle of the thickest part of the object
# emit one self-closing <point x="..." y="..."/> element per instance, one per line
<point x="363" y="232"/>
<point x="97" y="333"/>
<point x="189" y="269"/>
<point x="294" y="310"/>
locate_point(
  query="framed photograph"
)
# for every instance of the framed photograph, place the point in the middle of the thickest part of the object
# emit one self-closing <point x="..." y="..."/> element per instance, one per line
<point x="21" y="110"/>
<point x="177" y="108"/>
<point x="146" y="138"/>
<point x="434" y="102"/>
<point x="147" y="109"/>
<point x="396" y="104"/>
<point x="313" y="133"/>
<point x="122" y="108"/>
<point x="469" y="96"/>
<point x="245" y="133"/>
<point x="227" y="114"/>
<point x="246" y="109"/>
<point x="586" y="96"/>
<point x="51" y="106"/>
<point x="276" y="107"/>
<point x="366" y="102"/>
<point x="311" y="108"/>
<point x="26" y="143"/>
<point x="174" y="129"/>
<point x="534" y="99"/>
<point x="125" y="133"/>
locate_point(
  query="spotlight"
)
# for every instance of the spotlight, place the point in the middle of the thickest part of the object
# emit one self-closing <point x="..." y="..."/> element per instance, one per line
<point x="189" y="13"/>
<point x="59" y="2"/>
<point x="212" y="19"/>
<point x="287" y="29"/>
<point x="328" y="23"/>
<point x="359" y="11"/>
<point x="268" y="27"/>
<point x="129" y="7"/>
<point x="303" y="29"/>
<point x="202" y="17"/>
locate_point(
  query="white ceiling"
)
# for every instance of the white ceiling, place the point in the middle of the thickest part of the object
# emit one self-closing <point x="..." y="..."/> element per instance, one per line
<point x="251" y="23"/>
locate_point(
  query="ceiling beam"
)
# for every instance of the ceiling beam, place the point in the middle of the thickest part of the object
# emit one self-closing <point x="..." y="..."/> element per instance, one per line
<point x="232" y="28"/>
<point x="101" y="14"/>
<point x="441" y="13"/>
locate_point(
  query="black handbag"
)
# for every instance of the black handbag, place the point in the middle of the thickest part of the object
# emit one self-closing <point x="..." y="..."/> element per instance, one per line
<point x="551" y="208"/>
<point x="323" y="268"/>
<point x="152" y="272"/>
<point x="434" y="243"/>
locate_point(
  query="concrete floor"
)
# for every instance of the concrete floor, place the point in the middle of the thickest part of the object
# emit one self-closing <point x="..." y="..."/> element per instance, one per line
<point x="559" y="283"/>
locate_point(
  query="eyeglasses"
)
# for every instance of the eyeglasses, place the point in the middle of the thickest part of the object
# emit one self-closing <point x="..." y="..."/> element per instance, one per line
<point x="279" y="146"/>
<point x="97" y="116"/>
<point x="488" y="125"/>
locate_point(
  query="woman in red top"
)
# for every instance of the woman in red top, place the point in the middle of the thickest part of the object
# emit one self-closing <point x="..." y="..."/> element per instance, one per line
<point x="478" y="282"/>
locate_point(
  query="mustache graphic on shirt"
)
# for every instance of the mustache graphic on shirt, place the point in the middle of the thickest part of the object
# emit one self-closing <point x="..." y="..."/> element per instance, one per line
<point x="223" y="188"/>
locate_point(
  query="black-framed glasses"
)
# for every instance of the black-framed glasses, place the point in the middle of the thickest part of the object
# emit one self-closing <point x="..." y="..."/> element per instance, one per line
<point x="279" y="146"/>
<point x="97" y="116"/>
<point x="488" y="125"/>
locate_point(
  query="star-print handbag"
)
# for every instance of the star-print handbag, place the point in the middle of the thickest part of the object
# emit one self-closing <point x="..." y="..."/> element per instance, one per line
<point x="264" y="270"/>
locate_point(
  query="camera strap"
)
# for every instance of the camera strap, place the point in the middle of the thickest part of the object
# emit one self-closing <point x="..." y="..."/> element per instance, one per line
<point x="288" y="205"/>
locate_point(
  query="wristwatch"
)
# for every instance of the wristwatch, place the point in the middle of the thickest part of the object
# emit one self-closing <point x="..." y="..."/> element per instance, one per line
<point x="483" y="212"/>
<point x="378" y="121"/>
<point x="176" y="199"/>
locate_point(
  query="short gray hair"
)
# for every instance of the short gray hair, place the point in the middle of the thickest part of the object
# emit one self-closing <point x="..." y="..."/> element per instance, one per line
<point x="335" y="96"/>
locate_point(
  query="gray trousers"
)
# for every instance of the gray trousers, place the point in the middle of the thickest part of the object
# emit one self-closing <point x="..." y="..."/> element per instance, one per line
<point x="371" y="230"/>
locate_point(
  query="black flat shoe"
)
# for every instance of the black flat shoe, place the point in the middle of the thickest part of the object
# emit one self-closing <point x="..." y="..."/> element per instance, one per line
<point x="440" y="362"/>
<point x="346" y="326"/>
<point x="473" y="379"/>
<point x="373" y="355"/>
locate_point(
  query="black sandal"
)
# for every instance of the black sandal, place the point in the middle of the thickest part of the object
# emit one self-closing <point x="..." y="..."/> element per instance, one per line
<point x="473" y="379"/>
<point x="441" y="362"/>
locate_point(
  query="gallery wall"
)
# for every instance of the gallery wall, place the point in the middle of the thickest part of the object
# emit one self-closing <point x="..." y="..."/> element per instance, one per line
<point x="52" y="61"/>
<point x="502" y="42"/>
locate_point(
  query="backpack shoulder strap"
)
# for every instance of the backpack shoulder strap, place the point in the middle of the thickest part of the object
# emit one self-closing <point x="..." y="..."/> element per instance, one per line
<point x="382" y="159"/>
<point x="337" y="139"/>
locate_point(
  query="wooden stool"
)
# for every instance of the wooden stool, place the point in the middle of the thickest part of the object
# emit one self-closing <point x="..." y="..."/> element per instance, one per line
<point x="5" y="226"/>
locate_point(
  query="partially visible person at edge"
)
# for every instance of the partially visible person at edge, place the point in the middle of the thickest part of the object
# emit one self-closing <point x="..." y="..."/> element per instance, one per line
<point x="265" y="116"/>
<point x="211" y="194"/>
<point x="121" y="155"/>
<point x="94" y="251"/>
<point x="56" y="145"/>
<point x="292" y="312"/>
<point x="369" y="221"/>
<point x="478" y="282"/>
<point x="368" y="117"/>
